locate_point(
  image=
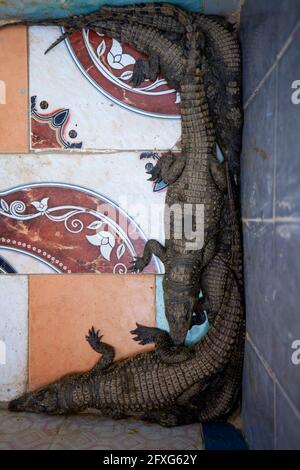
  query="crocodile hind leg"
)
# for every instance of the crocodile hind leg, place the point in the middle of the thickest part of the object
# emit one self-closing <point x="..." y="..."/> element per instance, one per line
<point x="152" y="247"/>
<point x="107" y="351"/>
<point x="145" y="69"/>
<point x="168" y="168"/>
<point x="165" y="347"/>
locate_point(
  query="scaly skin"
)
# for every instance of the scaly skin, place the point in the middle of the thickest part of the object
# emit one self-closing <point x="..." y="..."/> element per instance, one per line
<point x="181" y="65"/>
<point x="153" y="385"/>
<point x="194" y="179"/>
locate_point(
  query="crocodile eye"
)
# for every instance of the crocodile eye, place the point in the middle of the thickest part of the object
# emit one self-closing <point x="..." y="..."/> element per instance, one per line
<point x="148" y="166"/>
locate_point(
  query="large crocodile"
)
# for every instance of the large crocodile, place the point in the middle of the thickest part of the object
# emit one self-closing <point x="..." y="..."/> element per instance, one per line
<point x="195" y="179"/>
<point x="158" y="385"/>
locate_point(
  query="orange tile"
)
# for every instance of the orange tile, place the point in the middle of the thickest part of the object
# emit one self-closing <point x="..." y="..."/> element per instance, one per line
<point x="63" y="308"/>
<point x="13" y="90"/>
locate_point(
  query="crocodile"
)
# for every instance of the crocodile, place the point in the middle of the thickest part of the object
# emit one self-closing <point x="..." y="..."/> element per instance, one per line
<point x="194" y="178"/>
<point x="222" y="83"/>
<point x="158" y="385"/>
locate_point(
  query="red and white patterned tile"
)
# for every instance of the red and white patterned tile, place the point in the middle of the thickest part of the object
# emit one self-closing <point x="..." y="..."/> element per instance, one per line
<point x="78" y="213"/>
<point x="82" y="97"/>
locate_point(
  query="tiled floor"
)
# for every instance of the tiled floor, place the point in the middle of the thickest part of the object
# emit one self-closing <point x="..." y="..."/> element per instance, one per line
<point x="22" y="431"/>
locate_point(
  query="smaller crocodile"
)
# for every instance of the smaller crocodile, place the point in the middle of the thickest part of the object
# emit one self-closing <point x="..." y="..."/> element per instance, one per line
<point x="157" y="386"/>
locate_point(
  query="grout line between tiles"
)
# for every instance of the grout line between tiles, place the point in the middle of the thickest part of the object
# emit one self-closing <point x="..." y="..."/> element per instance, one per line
<point x="275" y="144"/>
<point x="272" y="374"/>
<point x="28" y="332"/>
<point x="279" y="55"/>
<point x="57" y="434"/>
<point x="273" y="220"/>
<point x="69" y="152"/>
<point x="275" y="415"/>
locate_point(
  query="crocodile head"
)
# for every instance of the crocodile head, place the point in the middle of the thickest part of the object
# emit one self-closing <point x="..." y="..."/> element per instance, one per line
<point x="43" y="400"/>
<point x="179" y="316"/>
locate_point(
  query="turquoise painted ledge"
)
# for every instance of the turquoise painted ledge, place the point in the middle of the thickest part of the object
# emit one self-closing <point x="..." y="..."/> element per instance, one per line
<point x="40" y="9"/>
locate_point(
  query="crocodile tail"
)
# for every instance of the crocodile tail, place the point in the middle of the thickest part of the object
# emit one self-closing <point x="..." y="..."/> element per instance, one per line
<point x="221" y="397"/>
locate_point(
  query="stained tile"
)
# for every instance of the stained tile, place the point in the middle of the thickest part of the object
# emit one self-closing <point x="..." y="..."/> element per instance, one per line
<point x="13" y="336"/>
<point x="258" y="403"/>
<point x="259" y="272"/>
<point x="287" y="424"/>
<point x="90" y="431"/>
<point x="89" y="103"/>
<point x="63" y="308"/>
<point x="257" y="160"/>
<point x="265" y="27"/>
<point x="285" y="324"/>
<point x="13" y="90"/>
<point x="94" y="432"/>
<point x="28" y="431"/>
<point x="288" y="167"/>
<point x="78" y="213"/>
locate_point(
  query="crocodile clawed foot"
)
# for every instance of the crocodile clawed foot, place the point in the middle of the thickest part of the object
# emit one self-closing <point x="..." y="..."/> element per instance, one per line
<point x="145" y="334"/>
<point x="155" y="173"/>
<point x="138" y="75"/>
<point x="94" y="338"/>
<point x="137" y="264"/>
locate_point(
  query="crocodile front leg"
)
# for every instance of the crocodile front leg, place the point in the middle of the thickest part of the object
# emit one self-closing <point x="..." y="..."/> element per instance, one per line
<point x="152" y="247"/>
<point x="168" y="168"/>
<point x="165" y="347"/>
<point x="107" y="351"/>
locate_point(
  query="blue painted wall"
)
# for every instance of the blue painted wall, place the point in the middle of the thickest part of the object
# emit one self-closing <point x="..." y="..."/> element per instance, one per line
<point x="39" y="9"/>
<point x="270" y="35"/>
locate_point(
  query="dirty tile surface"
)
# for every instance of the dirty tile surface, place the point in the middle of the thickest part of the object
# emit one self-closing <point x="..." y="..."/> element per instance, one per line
<point x="78" y="213"/>
<point x="13" y="335"/>
<point x="89" y="102"/>
<point x="258" y="156"/>
<point x="270" y="205"/>
<point x="258" y="399"/>
<point x="288" y="424"/>
<point x="287" y="171"/>
<point x="13" y="90"/>
<point x="63" y="308"/>
<point x="22" y="431"/>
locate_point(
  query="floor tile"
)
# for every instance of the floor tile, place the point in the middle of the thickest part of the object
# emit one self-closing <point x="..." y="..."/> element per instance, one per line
<point x="258" y="403"/>
<point x="287" y="424"/>
<point x="265" y="28"/>
<point x="82" y="97"/>
<point x="27" y="431"/>
<point x="258" y="153"/>
<point x="285" y="323"/>
<point x="92" y="432"/>
<point x="78" y="213"/>
<point x="259" y="276"/>
<point x="13" y="335"/>
<point x="63" y="308"/>
<point x="13" y="89"/>
<point x="288" y="139"/>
